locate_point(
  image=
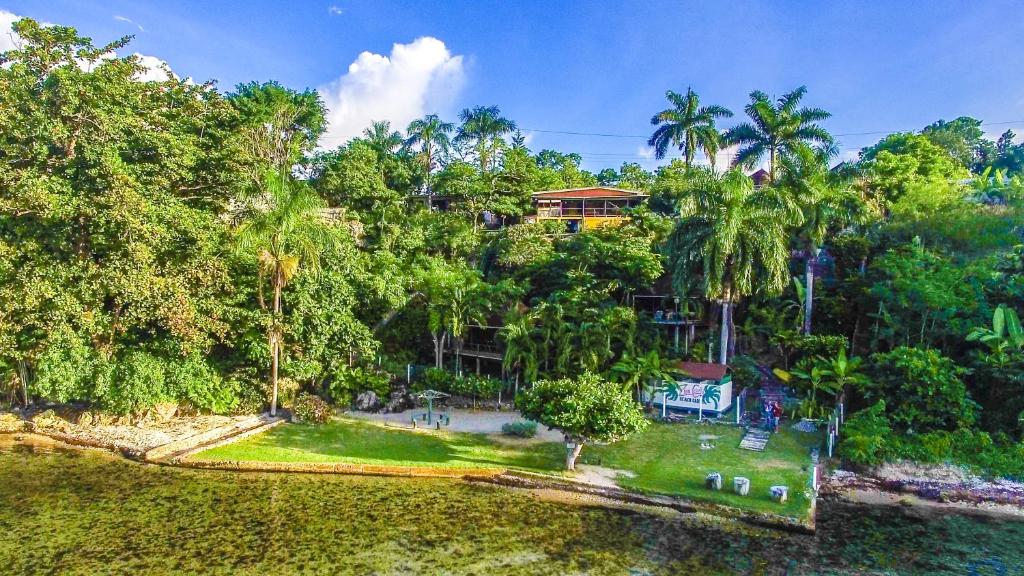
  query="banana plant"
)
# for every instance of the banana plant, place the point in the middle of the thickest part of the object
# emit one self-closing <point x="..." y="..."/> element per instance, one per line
<point x="1005" y="334"/>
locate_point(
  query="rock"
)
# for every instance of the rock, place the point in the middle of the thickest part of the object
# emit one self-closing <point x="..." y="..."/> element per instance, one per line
<point x="741" y="485"/>
<point x="713" y="481"/>
<point x="164" y="411"/>
<point x="399" y="399"/>
<point x="84" y="419"/>
<point x="11" y="423"/>
<point x="367" y="401"/>
<point x="779" y="493"/>
<point x="49" y="419"/>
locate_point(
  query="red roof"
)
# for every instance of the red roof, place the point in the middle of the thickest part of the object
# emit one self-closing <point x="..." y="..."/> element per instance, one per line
<point x="760" y="177"/>
<point x="594" y="192"/>
<point x="701" y="370"/>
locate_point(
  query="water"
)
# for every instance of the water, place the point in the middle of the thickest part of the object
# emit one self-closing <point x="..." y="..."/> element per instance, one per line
<point x="70" y="512"/>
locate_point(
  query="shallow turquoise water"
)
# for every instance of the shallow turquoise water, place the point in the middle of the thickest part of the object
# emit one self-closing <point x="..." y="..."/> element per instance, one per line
<point x="86" y="513"/>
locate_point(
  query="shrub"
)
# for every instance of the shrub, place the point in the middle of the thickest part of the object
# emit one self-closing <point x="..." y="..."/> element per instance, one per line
<point x="194" y="380"/>
<point x="436" y="379"/>
<point x="139" y="382"/>
<point x="251" y="399"/>
<point x="523" y="429"/>
<point x="865" y="434"/>
<point x="350" y="382"/>
<point x="922" y="390"/>
<point x="64" y="370"/>
<point x="310" y="409"/>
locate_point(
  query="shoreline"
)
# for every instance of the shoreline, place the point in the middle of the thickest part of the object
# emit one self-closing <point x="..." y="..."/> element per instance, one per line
<point x="542" y="486"/>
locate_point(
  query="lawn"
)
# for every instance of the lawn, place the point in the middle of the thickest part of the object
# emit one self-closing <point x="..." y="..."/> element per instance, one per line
<point x="356" y="442"/>
<point x="665" y="458"/>
<point x="668" y="459"/>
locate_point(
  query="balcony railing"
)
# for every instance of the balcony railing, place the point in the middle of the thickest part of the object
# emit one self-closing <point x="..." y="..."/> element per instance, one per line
<point x="597" y="211"/>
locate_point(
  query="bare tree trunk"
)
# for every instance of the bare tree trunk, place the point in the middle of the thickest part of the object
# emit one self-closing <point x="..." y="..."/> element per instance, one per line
<point x="809" y="292"/>
<point x="275" y="340"/>
<point x="23" y="376"/>
<point x="723" y="352"/>
<point x="571" y="454"/>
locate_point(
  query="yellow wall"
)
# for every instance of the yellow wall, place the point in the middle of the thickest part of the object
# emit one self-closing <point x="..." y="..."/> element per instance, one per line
<point x="591" y="222"/>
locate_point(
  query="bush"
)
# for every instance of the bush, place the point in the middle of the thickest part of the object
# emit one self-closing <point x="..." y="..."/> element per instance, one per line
<point x="922" y="390"/>
<point x="350" y="382"/>
<point x="472" y="386"/>
<point x="435" y="379"/>
<point x="194" y="380"/>
<point x="865" y="434"/>
<point x="523" y="429"/>
<point x="139" y="382"/>
<point x="310" y="409"/>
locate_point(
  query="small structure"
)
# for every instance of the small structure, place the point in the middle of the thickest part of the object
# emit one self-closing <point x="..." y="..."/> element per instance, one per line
<point x="741" y="485"/>
<point x="699" y="387"/>
<point x="585" y="208"/>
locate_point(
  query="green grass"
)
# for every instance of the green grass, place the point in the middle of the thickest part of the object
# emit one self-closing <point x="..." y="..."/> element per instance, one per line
<point x="354" y="442"/>
<point x="667" y="459"/>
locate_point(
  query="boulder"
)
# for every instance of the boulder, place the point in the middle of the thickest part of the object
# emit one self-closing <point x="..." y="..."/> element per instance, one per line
<point x="367" y="401"/>
<point x="164" y="411"/>
<point x="399" y="400"/>
<point x="48" y="419"/>
<point x="11" y="423"/>
<point x="779" y="493"/>
<point x="713" y="481"/>
<point x="84" y="419"/>
<point x="741" y="485"/>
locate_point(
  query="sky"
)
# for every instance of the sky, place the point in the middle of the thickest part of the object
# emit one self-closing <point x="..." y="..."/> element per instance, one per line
<point x="582" y="76"/>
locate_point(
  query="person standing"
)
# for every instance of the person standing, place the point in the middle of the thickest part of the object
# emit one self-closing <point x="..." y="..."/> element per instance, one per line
<point x="776" y="415"/>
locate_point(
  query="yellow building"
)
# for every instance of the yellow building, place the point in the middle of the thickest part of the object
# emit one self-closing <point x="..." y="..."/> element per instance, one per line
<point x="585" y="208"/>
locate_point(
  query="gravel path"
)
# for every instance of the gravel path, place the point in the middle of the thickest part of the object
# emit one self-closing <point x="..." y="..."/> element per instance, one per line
<point x="478" y="421"/>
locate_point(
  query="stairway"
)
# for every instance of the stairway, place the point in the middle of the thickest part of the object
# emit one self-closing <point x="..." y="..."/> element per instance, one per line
<point x="755" y="440"/>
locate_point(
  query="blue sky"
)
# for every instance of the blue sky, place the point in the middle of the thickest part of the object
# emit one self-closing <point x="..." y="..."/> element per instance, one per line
<point x="596" y="67"/>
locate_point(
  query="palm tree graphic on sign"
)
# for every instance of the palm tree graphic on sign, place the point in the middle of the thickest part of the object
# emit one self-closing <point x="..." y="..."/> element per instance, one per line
<point x="711" y="396"/>
<point x="672" y="391"/>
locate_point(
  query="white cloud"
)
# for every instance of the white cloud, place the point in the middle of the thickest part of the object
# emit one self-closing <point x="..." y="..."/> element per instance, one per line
<point x="129" y="21"/>
<point x="335" y="11"/>
<point x="645" y="152"/>
<point x="418" y="78"/>
<point x="8" y="39"/>
<point x="155" y="69"/>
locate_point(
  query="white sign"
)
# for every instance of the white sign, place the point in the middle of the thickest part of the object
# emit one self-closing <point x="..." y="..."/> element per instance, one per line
<point x="706" y="396"/>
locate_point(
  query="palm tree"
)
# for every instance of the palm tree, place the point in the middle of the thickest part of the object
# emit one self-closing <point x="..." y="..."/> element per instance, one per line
<point x="431" y="134"/>
<point x="287" y="233"/>
<point x="776" y="128"/>
<point x="824" y="202"/>
<point x="640" y="372"/>
<point x="383" y="139"/>
<point x="482" y="130"/>
<point x="520" y="354"/>
<point x="733" y="237"/>
<point x="689" y="126"/>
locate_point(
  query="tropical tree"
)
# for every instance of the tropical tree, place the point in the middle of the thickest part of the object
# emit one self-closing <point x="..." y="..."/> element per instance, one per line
<point x="732" y="237"/>
<point x="520" y="352"/>
<point x="824" y="203"/>
<point x="482" y="130"/>
<point x="640" y="372"/>
<point x="689" y="126"/>
<point x="776" y="128"/>
<point x="286" y="236"/>
<point x="585" y="409"/>
<point x="432" y="136"/>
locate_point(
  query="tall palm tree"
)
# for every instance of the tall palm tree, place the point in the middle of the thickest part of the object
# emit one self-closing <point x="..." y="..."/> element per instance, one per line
<point x="689" y="126"/>
<point x="482" y="130"/>
<point x="824" y="202"/>
<point x="287" y="233"/>
<point x="733" y="238"/>
<point x="776" y="128"/>
<point x="431" y="135"/>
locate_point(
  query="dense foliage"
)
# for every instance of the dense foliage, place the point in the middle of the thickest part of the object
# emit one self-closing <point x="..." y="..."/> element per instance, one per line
<point x="172" y="242"/>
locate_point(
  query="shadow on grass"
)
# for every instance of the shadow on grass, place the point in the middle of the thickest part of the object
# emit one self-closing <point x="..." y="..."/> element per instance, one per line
<point x="352" y="441"/>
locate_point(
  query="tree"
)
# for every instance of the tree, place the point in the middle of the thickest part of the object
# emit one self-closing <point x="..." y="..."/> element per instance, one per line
<point x="585" y="409"/>
<point x="824" y="204"/>
<point x="777" y="128"/>
<point x="383" y="139"/>
<point x="689" y="126"/>
<point x="642" y="372"/>
<point x="431" y="135"/>
<point x="279" y="125"/>
<point x="964" y="140"/>
<point x="922" y="389"/>
<point x="520" y="353"/>
<point x="482" y="130"/>
<point x="288" y="234"/>
<point x="733" y="238"/>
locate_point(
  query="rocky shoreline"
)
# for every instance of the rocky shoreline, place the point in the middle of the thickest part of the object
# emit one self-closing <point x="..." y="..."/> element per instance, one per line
<point x="939" y="488"/>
